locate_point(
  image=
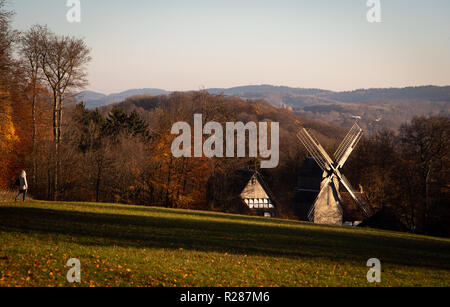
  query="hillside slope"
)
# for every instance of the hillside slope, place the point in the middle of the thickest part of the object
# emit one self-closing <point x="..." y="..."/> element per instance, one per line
<point x="127" y="245"/>
<point x="378" y="108"/>
<point x="94" y="100"/>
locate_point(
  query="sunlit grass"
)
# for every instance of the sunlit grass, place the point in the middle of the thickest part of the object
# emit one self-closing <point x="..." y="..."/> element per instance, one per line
<point x="142" y="246"/>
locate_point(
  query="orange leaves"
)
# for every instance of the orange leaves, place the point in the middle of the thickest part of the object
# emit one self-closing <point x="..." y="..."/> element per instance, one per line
<point x="7" y="129"/>
<point x="182" y="181"/>
<point x="8" y="138"/>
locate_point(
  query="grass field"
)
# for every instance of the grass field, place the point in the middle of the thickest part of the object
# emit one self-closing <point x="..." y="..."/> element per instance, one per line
<point x="142" y="246"/>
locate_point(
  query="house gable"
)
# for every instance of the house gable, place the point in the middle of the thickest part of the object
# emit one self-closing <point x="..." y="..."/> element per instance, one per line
<point x="255" y="196"/>
<point x="254" y="189"/>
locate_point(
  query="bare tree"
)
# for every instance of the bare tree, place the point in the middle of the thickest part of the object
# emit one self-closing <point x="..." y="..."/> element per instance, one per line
<point x="30" y="51"/>
<point x="63" y="61"/>
<point x="426" y="148"/>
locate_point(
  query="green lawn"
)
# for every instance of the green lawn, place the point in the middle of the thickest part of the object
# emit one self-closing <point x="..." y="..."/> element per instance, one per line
<point x="143" y="246"/>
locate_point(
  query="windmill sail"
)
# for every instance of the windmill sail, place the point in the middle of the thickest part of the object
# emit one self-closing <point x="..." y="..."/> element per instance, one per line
<point x="315" y="150"/>
<point x="348" y="145"/>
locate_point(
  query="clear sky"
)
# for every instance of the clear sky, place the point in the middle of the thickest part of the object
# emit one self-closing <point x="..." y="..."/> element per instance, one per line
<point x="191" y="44"/>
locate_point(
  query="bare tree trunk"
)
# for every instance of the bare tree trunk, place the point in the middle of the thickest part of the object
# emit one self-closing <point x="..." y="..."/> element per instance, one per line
<point x="58" y="153"/>
<point x="34" y="141"/>
<point x="98" y="179"/>
<point x="427" y="198"/>
<point x="33" y="115"/>
<point x="49" y="184"/>
<point x="57" y="142"/>
<point x="56" y="147"/>
<point x="168" y="183"/>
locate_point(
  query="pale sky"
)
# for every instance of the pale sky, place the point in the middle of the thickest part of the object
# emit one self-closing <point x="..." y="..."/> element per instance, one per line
<point x="192" y="44"/>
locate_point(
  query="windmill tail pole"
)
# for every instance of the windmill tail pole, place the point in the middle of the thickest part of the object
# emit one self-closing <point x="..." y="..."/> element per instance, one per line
<point x="361" y="203"/>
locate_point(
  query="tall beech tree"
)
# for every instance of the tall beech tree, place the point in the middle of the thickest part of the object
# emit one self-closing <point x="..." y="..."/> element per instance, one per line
<point x="30" y="51"/>
<point x="63" y="61"/>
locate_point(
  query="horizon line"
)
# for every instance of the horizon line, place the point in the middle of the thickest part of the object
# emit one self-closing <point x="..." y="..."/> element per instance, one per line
<point x="248" y="85"/>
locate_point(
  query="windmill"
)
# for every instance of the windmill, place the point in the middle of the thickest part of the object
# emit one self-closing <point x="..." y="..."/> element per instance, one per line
<point x="326" y="208"/>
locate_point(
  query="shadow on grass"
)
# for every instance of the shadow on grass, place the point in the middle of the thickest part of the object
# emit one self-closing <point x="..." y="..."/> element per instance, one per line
<point x="184" y="212"/>
<point x="181" y="231"/>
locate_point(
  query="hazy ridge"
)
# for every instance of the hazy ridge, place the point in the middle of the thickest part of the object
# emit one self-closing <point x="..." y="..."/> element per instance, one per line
<point x="287" y="96"/>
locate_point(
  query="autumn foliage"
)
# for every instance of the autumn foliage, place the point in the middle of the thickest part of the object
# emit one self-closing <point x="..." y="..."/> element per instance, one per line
<point x="8" y="139"/>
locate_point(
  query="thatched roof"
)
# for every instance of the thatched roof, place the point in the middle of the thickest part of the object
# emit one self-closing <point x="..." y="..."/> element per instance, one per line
<point x="254" y="189"/>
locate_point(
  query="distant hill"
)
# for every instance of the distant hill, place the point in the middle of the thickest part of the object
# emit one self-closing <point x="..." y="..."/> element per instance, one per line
<point x="388" y="107"/>
<point x="376" y="108"/>
<point x="89" y="96"/>
<point x="429" y="93"/>
<point x="93" y="99"/>
<point x="288" y="96"/>
<point x="301" y="97"/>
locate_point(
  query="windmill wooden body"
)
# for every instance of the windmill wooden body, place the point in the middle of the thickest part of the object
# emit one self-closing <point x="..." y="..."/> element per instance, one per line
<point x="327" y="206"/>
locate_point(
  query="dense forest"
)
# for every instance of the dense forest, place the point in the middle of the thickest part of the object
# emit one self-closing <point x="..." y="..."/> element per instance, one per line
<point x="122" y="153"/>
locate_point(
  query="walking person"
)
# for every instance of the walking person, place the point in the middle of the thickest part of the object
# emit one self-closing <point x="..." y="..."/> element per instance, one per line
<point x="23" y="185"/>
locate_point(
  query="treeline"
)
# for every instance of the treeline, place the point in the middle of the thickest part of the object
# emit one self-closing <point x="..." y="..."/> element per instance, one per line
<point x="126" y="153"/>
<point x="406" y="174"/>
